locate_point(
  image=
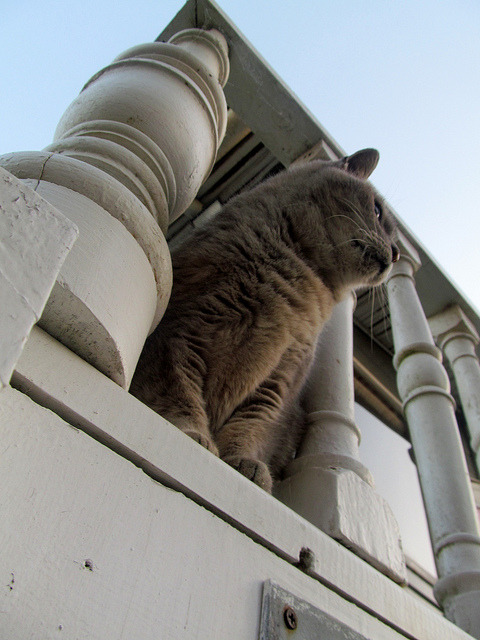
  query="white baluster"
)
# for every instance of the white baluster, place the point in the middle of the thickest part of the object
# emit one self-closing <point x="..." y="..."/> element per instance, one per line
<point x="129" y="155"/>
<point x="457" y="337"/>
<point x="429" y="409"/>
<point x="327" y="483"/>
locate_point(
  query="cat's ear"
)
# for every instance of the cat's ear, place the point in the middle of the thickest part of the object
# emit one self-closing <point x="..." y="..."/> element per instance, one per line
<point x="362" y="163"/>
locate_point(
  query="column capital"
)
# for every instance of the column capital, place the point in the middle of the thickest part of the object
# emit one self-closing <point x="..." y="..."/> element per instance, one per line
<point x="452" y="322"/>
<point x="458" y="338"/>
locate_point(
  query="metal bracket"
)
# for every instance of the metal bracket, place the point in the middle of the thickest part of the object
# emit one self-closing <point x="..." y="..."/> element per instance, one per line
<point x="286" y="617"/>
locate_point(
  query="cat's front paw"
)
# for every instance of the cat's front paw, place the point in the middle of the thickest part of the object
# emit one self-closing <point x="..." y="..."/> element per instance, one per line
<point x="255" y="470"/>
<point x="204" y="440"/>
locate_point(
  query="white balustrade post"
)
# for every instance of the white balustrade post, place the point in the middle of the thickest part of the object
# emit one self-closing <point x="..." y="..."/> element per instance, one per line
<point x="457" y="337"/>
<point x="327" y="483"/>
<point x="26" y="278"/>
<point x="429" y="409"/>
<point x="129" y="155"/>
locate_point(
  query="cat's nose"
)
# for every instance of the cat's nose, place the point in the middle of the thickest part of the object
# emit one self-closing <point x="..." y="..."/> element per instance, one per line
<point x="395" y="253"/>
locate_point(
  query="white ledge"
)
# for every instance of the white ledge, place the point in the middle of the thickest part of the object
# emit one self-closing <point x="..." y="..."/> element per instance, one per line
<point x="60" y="380"/>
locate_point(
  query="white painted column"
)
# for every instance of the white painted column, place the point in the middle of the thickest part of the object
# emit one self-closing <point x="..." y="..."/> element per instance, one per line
<point x="429" y="409"/>
<point x="327" y="483"/>
<point x="129" y="156"/>
<point x="458" y="338"/>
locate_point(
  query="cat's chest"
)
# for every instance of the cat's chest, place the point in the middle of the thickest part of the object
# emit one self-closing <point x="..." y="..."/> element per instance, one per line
<point x="298" y="305"/>
<point x="272" y="290"/>
<point x="309" y="318"/>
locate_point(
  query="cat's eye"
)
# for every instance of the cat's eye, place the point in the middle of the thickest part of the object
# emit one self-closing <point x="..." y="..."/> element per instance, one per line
<point x="378" y="211"/>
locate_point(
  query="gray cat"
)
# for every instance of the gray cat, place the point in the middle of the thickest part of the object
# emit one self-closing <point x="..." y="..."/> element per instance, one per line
<point x="252" y="291"/>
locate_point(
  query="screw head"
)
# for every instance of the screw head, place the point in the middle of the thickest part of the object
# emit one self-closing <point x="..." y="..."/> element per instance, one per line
<point x="290" y="618"/>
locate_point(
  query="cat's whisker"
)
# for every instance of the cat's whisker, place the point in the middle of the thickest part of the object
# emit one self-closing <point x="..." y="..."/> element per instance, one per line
<point x="372" y="310"/>
<point x="375" y="236"/>
<point x="350" y="240"/>
<point x="343" y="215"/>
<point x="371" y="234"/>
<point x="352" y="209"/>
<point x="386" y="310"/>
<point x="379" y="290"/>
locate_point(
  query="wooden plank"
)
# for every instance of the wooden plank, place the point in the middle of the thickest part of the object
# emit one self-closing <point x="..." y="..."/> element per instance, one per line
<point x="97" y="550"/>
<point x="57" y="378"/>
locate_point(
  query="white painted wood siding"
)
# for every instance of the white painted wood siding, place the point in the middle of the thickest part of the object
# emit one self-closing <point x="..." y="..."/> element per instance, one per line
<point x="185" y="563"/>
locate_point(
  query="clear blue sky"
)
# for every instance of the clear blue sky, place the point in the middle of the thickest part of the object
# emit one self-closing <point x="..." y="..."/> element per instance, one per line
<point x="400" y="76"/>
